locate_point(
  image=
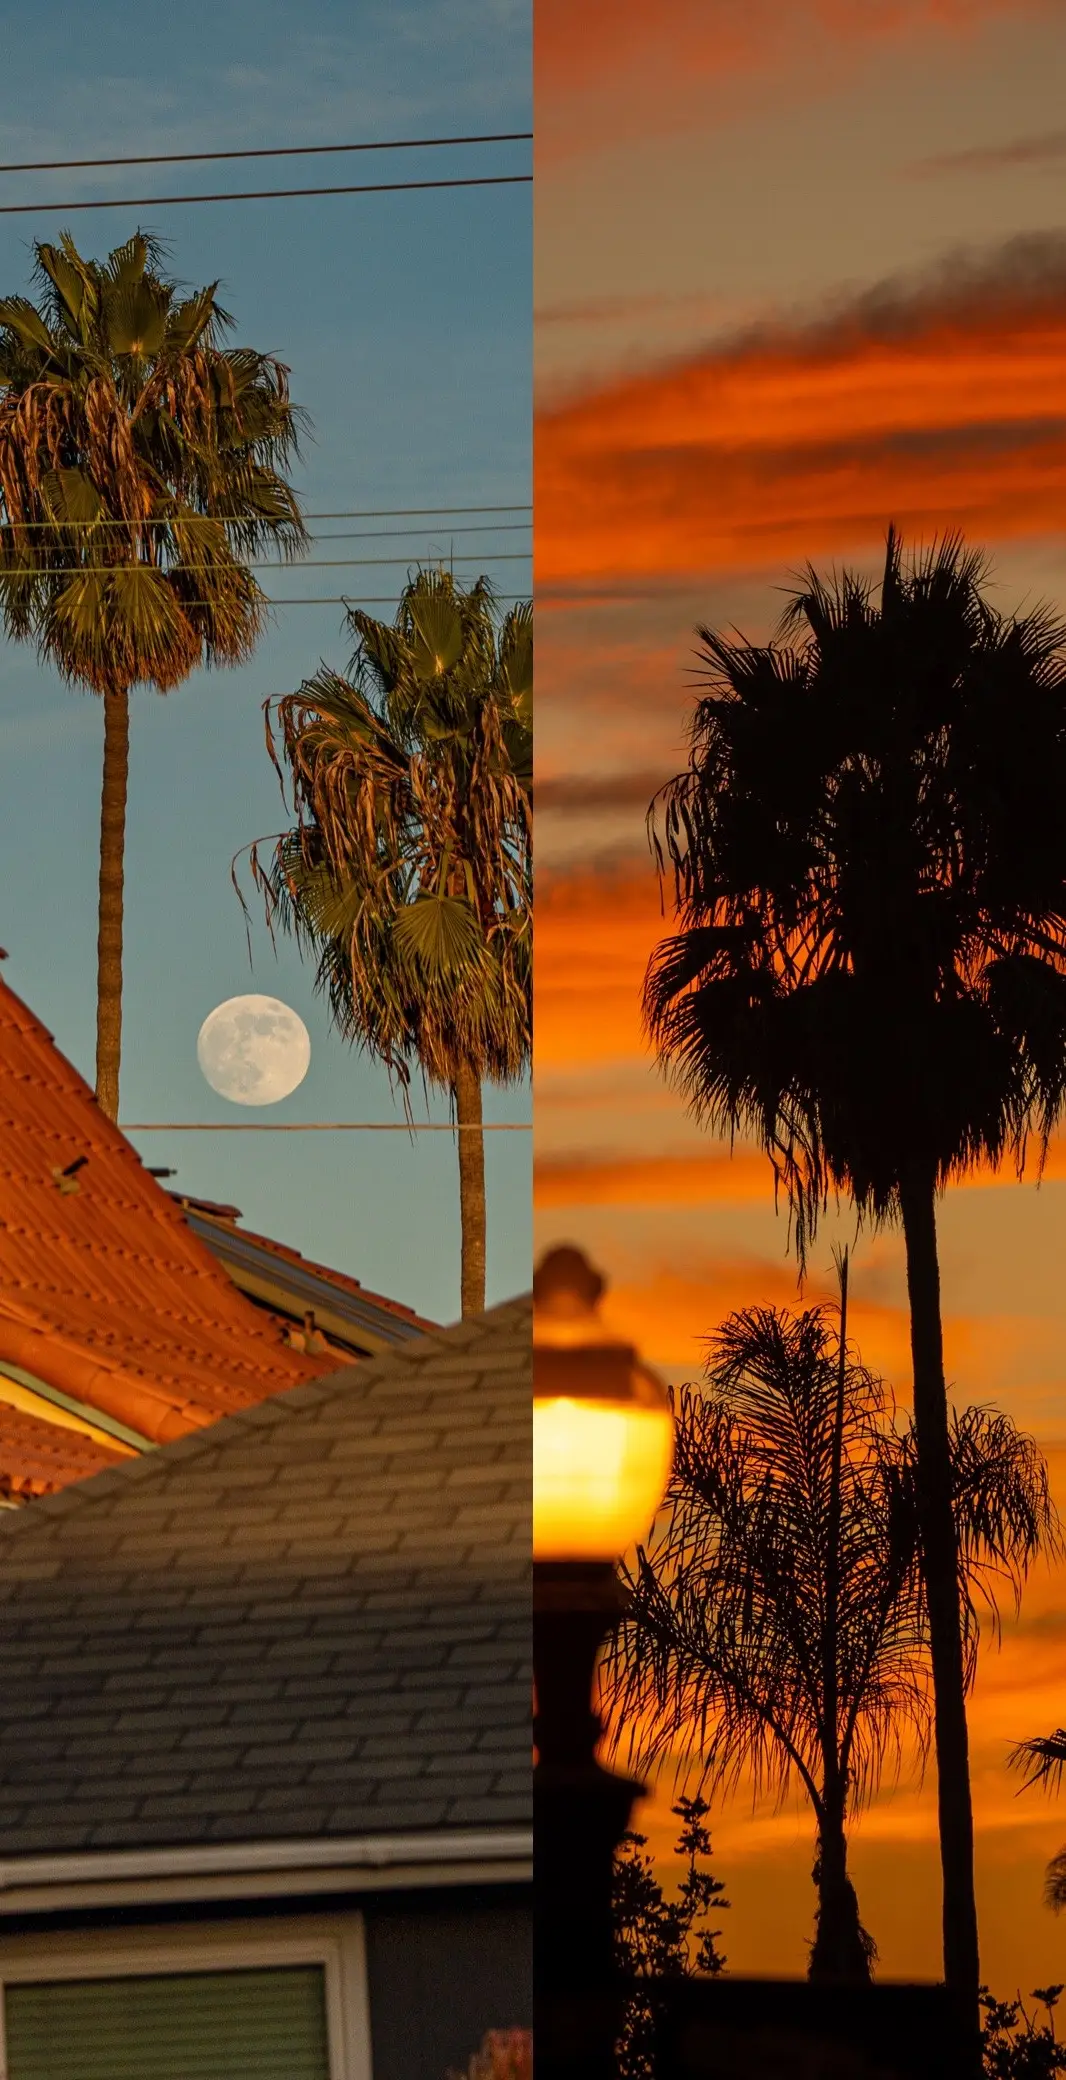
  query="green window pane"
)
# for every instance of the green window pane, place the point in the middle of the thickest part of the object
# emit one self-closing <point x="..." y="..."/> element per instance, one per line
<point x="261" y="2025"/>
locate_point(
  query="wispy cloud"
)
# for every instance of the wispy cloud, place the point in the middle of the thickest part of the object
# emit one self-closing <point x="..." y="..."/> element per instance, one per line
<point x="614" y="310"/>
<point x="262" y="74"/>
<point x="933" y="399"/>
<point x="1048" y="149"/>
<point x="571" y="794"/>
<point x="610" y="61"/>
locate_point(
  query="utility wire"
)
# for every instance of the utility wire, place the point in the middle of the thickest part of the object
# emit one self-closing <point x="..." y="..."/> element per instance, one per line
<point x="379" y="599"/>
<point x="477" y="180"/>
<point x="415" y="512"/>
<point x="387" y="534"/>
<point x="280" y="151"/>
<point x="233" y="520"/>
<point x="170" y="570"/>
<point x="326" y="1126"/>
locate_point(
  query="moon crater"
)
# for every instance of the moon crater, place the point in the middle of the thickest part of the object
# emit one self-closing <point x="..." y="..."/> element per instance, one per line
<point x="253" y="1050"/>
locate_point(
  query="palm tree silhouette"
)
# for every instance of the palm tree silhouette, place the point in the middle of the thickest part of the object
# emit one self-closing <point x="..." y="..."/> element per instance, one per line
<point x="408" y="875"/>
<point x="869" y="859"/>
<point x="1043" y="1761"/>
<point x="777" y="1625"/>
<point x="142" y="464"/>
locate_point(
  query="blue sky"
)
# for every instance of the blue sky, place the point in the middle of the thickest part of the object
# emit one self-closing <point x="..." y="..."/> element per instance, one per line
<point x="406" y="321"/>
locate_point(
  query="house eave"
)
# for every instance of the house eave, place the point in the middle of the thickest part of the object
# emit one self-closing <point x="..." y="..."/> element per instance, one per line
<point x="263" y="1870"/>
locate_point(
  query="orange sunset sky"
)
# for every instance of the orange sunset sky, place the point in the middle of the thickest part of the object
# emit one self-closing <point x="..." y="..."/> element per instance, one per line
<point x="800" y="271"/>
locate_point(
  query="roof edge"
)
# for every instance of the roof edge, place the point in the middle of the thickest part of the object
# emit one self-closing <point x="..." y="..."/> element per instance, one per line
<point x="101" y="1880"/>
<point x="411" y="1356"/>
<point x="218" y="1859"/>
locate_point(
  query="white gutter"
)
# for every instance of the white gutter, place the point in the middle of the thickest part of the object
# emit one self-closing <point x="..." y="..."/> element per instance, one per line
<point x="274" y="1869"/>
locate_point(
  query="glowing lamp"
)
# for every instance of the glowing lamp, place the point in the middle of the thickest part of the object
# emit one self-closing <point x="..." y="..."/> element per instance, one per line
<point x="602" y="1426"/>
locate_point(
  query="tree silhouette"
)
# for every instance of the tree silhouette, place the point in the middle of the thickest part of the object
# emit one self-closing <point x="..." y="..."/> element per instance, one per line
<point x="1043" y="1761"/>
<point x="869" y="864"/>
<point x="660" y="1937"/>
<point x="777" y="1627"/>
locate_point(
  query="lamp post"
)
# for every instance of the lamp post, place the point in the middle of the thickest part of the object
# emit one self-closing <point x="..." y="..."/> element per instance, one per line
<point x="602" y="1445"/>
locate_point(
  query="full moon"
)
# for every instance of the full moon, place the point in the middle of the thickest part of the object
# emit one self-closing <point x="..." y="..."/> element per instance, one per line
<point x="253" y="1050"/>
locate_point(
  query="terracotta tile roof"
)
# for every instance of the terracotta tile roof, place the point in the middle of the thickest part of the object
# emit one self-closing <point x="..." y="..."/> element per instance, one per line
<point x="37" y="1458"/>
<point x="105" y="1292"/>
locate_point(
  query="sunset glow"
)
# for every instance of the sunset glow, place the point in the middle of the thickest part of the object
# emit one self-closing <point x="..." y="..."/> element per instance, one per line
<point x="774" y="327"/>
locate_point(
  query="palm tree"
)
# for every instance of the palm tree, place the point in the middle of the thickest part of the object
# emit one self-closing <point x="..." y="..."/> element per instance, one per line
<point x="870" y="870"/>
<point x="777" y="1626"/>
<point x="141" y="465"/>
<point x="1043" y="1761"/>
<point x="408" y="875"/>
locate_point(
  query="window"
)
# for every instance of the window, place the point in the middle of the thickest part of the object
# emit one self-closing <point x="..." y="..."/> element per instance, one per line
<point x="264" y="2025"/>
<point x="238" y="2001"/>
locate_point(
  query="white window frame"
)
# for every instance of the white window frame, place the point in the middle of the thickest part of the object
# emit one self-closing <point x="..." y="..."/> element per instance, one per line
<point x="334" y="1942"/>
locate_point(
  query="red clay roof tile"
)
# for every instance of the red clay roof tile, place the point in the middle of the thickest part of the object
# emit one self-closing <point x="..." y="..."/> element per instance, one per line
<point x="104" y="1290"/>
<point x="37" y="1458"/>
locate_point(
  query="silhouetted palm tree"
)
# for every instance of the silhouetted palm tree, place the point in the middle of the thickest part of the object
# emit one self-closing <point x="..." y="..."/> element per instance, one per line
<point x="870" y="977"/>
<point x="409" y="873"/>
<point x="141" y="465"/>
<point x="1043" y="1761"/>
<point x="778" y="1625"/>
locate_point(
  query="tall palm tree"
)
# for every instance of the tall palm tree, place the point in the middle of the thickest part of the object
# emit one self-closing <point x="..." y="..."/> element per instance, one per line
<point x="408" y="875"/>
<point x="870" y="976"/>
<point x="777" y="1625"/>
<point x="141" y="466"/>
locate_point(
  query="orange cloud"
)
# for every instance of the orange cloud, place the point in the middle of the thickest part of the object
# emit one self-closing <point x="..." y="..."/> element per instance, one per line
<point x="668" y="1312"/>
<point x="592" y="48"/>
<point x="711" y="1177"/>
<point x="594" y="935"/>
<point x="614" y="72"/>
<point x="653" y="1181"/>
<point x="938" y="403"/>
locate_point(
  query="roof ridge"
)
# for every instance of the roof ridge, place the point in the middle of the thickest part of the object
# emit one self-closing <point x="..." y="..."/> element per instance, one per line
<point x="457" y="1336"/>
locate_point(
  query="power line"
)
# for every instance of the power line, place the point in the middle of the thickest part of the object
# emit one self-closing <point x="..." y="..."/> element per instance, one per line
<point x="340" y="599"/>
<point x="280" y="151"/>
<point x="171" y="570"/>
<point x="387" y="534"/>
<point x="415" y="512"/>
<point x="477" y="180"/>
<point x="379" y="599"/>
<point x="234" y="520"/>
<point x="325" y="1126"/>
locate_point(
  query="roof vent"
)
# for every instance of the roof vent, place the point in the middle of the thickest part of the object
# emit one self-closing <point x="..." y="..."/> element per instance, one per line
<point x="307" y="1339"/>
<point x="67" y="1180"/>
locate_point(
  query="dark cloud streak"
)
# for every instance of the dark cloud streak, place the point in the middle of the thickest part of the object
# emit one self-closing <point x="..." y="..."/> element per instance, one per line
<point x="1042" y="150"/>
<point x="580" y="795"/>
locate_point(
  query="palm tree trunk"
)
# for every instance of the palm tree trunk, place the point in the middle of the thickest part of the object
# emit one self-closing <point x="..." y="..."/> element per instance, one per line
<point x="831" y="1637"/>
<point x="109" y="940"/>
<point x="842" y="1952"/>
<point x="940" y="1562"/>
<point x="467" y="1091"/>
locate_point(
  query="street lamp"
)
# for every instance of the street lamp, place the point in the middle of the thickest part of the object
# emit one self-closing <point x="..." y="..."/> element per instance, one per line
<point x="602" y="1444"/>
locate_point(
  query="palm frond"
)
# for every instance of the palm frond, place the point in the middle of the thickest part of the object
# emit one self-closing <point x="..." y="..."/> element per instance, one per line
<point x="1043" y="1760"/>
<point x="882" y="776"/>
<point x="119" y="406"/>
<point x="408" y="873"/>
<point x="1055" y="1883"/>
<point x="727" y="1663"/>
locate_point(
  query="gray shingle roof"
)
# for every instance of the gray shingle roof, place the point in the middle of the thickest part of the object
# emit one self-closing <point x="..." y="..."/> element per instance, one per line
<point x="311" y="1619"/>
